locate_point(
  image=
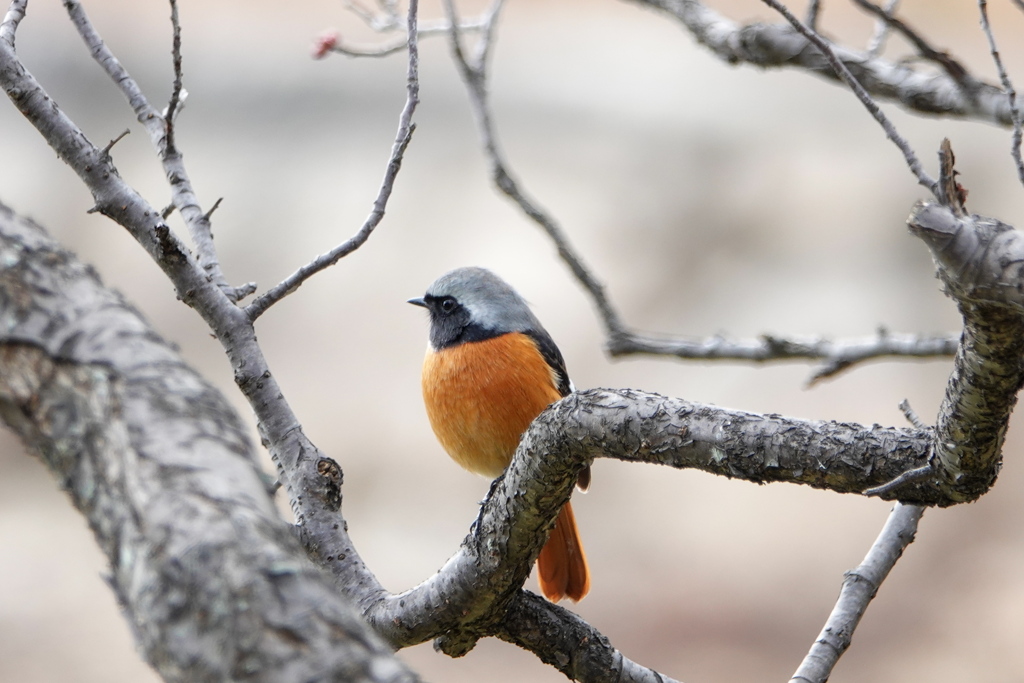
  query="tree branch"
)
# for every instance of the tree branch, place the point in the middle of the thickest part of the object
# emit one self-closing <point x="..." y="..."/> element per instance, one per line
<point x="475" y="77"/>
<point x="331" y="41"/>
<point x="160" y="132"/>
<point x="865" y="98"/>
<point x="560" y="638"/>
<point x="212" y="582"/>
<point x="953" y="68"/>
<point x="877" y="43"/>
<point x="177" y="87"/>
<point x="1011" y="94"/>
<point x="980" y="262"/>
<point x="859" y="588"/>
<point x="404" y="135"/>
<point x="774" y="45"/>
<point x="311" y="480"/>
<point x="836" y="355"/>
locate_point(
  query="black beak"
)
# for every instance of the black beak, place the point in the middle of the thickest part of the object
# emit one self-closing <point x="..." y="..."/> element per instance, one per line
<point x="418" y="302"/>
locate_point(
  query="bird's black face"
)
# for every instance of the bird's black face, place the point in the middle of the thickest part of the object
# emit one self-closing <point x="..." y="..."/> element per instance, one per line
<point x="448" y="319"/>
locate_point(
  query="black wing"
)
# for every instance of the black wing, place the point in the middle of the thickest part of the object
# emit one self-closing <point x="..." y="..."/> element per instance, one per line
<point x="554" y="359"/>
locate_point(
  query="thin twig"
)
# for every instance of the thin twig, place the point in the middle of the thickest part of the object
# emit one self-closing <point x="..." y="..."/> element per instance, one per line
<point x="475" y="77"/>
<point x="954" y="69"/>
<point x="373" y="51"/>
<point x="836" y="355"/>
<point x="908" y="477"/>
<point x="374" y="21"/>
<point x="425" y="30"/>
<point x="405" y="130"/>
<point x="213" y="208"/>
<point x="110" y="145"/>
<point x="1011" y="94"/>
<point x="859" y="588"/>
<point x="182" y="192"/>
<point x="877" y="43"/>
<point x="176" y="89"/>
<point x="911" y="415"/>
<point x="890" y="130"/>
<point x="813" y="12"/>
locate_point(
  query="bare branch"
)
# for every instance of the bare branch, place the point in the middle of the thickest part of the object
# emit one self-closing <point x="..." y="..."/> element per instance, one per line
<point x="475" y="76"/>
<point x="303" y="470"/>
<point x="908" y="477"/>
<point x="859" y="587"/>
<point x="890" y="131"/>
<point x="113" y="197"/>
<point x="210" y="579"/>
<point x="912" y="417"/>
<point x="467" y="598"/>
<point x="836" y="355"/>
<point x="779" y="45"/>
<point x="877" y="43"/>
<point x="110" y="145"/>
<point x="182" y="192"/>
<point x="374" y="51"/>
<point x="813" y="12"/>
<point x="981" y="263"/>
<point x="560" y="638"/>
<point x="15" y="13"/>
<point x="387" y="22"/>
<point x="404" y="135"/>
<point x="968" y="84"/>
<point x="176" y="89"/>
<point x="1011" y="94"/>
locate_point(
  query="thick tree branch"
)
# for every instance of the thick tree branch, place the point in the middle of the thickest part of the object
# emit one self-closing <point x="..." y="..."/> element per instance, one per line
<point x="212" y="582"/>
<point x="776" y="46"/>
<point x="981" y="263"/>
<point x="563" y="640"/>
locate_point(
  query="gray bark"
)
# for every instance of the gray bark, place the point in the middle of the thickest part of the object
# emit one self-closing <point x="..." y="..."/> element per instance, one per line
<point x="779" y="46"/>
<point x="211" y="579"/>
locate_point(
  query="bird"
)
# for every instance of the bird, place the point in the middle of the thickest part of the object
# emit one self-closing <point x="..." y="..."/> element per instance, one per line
<point x="490" y="369"/>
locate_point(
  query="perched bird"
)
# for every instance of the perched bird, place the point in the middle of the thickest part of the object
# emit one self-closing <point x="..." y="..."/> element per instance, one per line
<point x="490" y="369"/>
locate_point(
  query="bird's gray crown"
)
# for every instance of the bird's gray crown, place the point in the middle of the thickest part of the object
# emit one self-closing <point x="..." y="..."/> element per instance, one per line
<point x="491" y="302"/>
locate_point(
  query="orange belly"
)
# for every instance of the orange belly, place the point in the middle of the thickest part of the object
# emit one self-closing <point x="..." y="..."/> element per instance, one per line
<point x="481" y="397"/>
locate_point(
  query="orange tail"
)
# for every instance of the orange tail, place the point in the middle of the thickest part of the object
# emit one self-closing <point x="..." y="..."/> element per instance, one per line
<point x="562" y="565"/>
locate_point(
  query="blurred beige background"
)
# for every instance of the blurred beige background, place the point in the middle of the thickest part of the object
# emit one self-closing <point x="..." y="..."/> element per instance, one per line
<point x="709" y="199"/>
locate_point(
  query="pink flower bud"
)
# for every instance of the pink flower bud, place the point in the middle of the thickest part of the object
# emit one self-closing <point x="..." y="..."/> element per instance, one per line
<point x="324" y="43"/>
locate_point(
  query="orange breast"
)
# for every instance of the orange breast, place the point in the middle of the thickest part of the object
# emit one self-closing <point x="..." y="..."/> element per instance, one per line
<point x="481" y="397"/>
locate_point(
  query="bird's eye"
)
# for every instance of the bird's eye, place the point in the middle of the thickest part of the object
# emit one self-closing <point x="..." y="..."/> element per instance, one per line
<point x="448" y="305"/>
